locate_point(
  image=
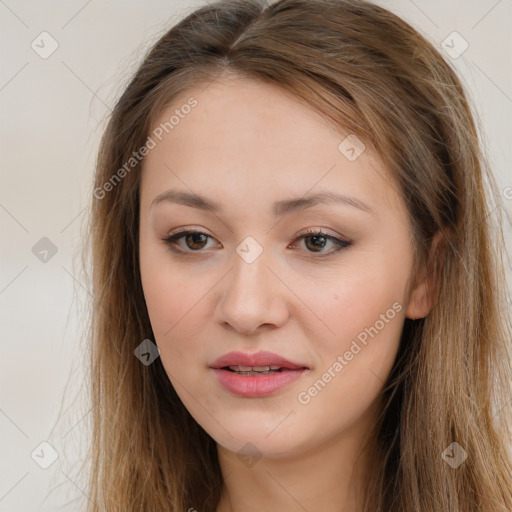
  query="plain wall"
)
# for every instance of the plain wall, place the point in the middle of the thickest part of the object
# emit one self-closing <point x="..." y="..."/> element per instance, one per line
<point x="52" y="112"/>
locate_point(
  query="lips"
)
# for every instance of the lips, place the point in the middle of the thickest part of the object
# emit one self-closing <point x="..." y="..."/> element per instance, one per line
<point x="256" y="375"/>
<point x="258" y="360"/>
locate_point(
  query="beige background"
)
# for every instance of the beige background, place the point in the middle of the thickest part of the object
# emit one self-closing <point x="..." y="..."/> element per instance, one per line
<point x="52" y="113"/>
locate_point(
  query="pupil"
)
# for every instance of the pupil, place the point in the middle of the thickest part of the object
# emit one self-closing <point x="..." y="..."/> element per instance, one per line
<point x="195" y="237"/>
<point x="316" y="238"/>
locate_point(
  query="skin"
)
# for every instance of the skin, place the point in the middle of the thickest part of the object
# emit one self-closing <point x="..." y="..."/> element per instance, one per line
<point x="246" y="145"/>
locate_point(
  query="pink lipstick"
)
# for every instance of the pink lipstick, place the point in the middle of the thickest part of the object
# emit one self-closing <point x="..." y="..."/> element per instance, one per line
<point x="256" y="375"/>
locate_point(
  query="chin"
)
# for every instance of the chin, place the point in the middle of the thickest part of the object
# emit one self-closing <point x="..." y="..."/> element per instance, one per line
<point x="256" y="441"/>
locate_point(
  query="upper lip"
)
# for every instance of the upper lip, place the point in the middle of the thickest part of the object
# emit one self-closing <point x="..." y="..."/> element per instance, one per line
<point x="262" y="358"/>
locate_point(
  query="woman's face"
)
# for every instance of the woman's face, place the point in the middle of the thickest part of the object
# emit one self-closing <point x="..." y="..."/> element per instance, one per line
<point x="252" y="171"/>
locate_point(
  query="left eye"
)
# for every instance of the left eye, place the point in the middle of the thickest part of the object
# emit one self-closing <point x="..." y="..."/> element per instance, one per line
<point x="318" y="241"/>
<point x="196" y="240"/>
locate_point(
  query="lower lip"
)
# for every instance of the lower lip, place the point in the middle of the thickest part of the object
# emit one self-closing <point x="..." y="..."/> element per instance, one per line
<point x="257" y="385"/>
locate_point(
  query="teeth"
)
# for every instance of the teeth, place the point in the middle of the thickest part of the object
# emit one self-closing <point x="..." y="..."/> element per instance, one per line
<point x="240" y="368"/>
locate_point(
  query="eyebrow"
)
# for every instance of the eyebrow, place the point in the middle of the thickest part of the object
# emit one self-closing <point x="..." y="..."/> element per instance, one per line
<point x="279" y="208"/>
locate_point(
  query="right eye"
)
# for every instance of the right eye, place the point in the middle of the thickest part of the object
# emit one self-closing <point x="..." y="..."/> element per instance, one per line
<point x="194" y="241"/>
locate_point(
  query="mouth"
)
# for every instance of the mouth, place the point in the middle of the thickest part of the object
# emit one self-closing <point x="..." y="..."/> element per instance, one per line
<point x="257" y="370"/>
<point x="262" y="362"/>
<point x="256" y="375"/>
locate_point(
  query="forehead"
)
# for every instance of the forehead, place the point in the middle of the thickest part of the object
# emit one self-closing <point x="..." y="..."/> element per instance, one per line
<point x="244" y="113"/>
<point x="246" y="138"/>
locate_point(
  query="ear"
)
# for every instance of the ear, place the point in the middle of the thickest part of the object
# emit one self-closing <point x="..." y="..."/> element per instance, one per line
<point x="422" y="298"/>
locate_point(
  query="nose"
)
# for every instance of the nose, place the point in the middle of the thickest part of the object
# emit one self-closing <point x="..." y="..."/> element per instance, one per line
<point x="253" y="298"/>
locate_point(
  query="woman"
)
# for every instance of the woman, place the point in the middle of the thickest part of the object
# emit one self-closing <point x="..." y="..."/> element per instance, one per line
<point x="268" y="371"/>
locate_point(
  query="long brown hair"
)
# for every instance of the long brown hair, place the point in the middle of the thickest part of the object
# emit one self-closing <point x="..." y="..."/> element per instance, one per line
<point x="369" y="73"/>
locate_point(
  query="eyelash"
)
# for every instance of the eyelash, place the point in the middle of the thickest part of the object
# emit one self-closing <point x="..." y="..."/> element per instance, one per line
<point x="342" y="244"/>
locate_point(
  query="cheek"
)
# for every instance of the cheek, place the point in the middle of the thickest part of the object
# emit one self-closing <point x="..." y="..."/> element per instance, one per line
<point x="366" y="314"/>
<point x="176" y="301"/>
<point x="356" y="299"/>
<point x="364" y="310"/>
<point x="170" y="294"/>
